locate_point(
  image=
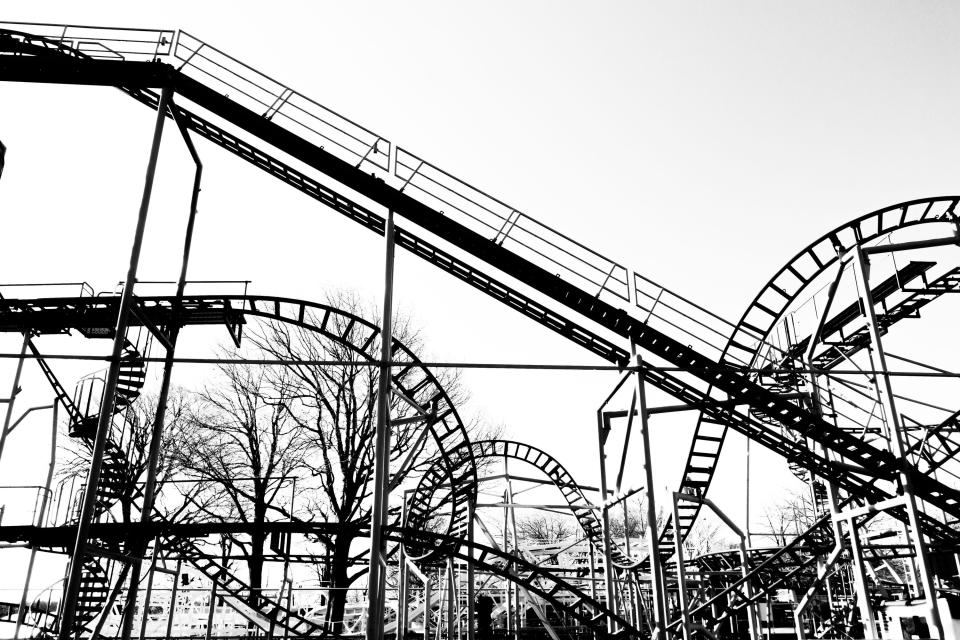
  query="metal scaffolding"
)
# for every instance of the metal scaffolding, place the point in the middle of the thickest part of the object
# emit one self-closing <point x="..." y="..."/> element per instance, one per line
<point x="873" y="473"/>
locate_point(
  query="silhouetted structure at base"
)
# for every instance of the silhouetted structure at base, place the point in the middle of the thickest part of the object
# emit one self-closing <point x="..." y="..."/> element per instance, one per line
<point x="484" y="609"/>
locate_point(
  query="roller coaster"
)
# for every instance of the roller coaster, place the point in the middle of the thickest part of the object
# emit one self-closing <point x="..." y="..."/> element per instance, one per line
<point x="804" y="373"/>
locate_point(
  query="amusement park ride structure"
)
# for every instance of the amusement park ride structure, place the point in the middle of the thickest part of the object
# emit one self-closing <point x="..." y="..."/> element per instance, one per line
<point x="804" y="373"/>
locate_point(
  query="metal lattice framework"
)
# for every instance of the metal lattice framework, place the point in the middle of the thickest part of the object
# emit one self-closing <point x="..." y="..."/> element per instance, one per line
<point x="757" y="376"/>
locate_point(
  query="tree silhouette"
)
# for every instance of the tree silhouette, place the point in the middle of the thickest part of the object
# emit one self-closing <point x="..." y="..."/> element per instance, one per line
<point x="338" y="412"/>
<point x="243" y="447"/>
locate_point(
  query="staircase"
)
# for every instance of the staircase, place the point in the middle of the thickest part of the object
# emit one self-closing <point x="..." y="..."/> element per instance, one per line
<point x="83" y="411"/>
<point x="496" y="234"/>
<point x="483" y="228"/>
<point x="89" y="391"/>
<point x="94" y="588"/>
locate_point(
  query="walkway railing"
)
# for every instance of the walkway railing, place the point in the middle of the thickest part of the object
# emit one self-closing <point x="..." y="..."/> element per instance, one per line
<point x="485" y="214"/>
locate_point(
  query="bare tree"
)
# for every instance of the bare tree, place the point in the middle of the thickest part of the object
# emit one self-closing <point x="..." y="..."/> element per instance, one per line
<point x="340" y="403"/>
<point x="789" y="518"/>
<point x="126" y="458"/>
<point x="545" y="529"/>
<point x="244" y="446"/>
<point x="632" y="521"/>
<point x="706" y="537"/>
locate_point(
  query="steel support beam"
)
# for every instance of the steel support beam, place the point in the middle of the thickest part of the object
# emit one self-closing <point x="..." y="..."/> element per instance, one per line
<point x="376" y="588"/>
<point x="657" y="585"/>
<point x="72" y="590"/>
<point x="862" y="271"/>
<point x="608" y="569"/>
<point x="22" y="611"/>
<point x="752" y="619"/>
<point x="156" y="434"/>
<point x="14" y="391"/>
<point x="471" y="595"/>
<point x="681" y="573"/>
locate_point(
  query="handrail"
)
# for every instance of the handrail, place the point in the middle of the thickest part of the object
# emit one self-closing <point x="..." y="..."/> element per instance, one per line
<point x="274" y="98"/>
<point x="476" y="209"/>
<point x="85" y="288"/>
<point x="135" y="44"/>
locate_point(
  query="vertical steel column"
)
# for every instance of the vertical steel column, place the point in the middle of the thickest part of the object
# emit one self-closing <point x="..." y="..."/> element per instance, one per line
<point x="593" y="572"/>
<point x="14" y="391"/>
<point x="402" y="587"/>
<point x="817" y="407"/>
<point x="458" y="611"/>
<point x="451" y="598"/>
<point x="608" y="577"/>
<point x="286" y="561"/>
<point x="471" y="595"/>
<point x="149" y="594"/>
<point x="426" y="607"/>
<point x="746" y="514"/>
<point x="681" y="572"/>
<point x="653" y="542"/>
<point x="381" y="462"/>
<point x="511" y="512"/>
<point x="22" y="611"/>
<point x="862" y="271"/>
<point x="110" y="388"/>
<point x="628" y="600"/>
<point x="753" y="620"/>
<point x="173" y="597"/>
<point x="860" y="582"/>
<point x="508" y="594"/>
<point x="403" y="578"/>
<point x="913" y="575"/>
<point x="213" y="606"/>
<point x="156" y="435"/>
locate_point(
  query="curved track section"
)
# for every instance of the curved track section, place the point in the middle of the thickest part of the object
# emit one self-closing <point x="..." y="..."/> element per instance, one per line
<point x="414" y="381"/>
<point x="776" y="296"/>
<point x="563" y="595"/>
<point x="456" y="475"/>
<point x="794" y="563"/>
<point x="47" y="60"/>
<point x="580" y="506"/>
<point x="791" y="566"/>
<point x="566" y="290"/>
<point x="417" y="384"/>
<point x="743" y="349"/>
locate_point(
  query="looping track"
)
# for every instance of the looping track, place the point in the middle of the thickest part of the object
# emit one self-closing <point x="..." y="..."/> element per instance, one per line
<point x="768" y="307"/>
<point x="577" y="501"/>
<point x="565" y="293"/>
<point x="94" y="315"/>
<point x="724" y="381"/>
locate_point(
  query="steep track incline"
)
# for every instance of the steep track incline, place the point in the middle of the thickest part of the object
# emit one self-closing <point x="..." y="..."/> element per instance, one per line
<point x="561" y="270"/>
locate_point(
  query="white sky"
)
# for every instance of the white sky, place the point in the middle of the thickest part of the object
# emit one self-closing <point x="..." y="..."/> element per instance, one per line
<point x="702" y="144"/>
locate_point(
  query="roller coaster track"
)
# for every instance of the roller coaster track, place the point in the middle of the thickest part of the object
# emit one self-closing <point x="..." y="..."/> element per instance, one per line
<point x="774" y="299"/>
<point x="414" y="381"/>
<point x="709" y="435"/>
<point x="580" y="506"/>
<point x="453" y="479"/>
<point x="560" y="593"/>
<point x="54" y="313"/>
<point x="788" y="566"/>
<point x="535" y="256"/>
<point x="40" y="59"/>
<point x="793" y="566"/>
<point x="937" y="447"/>
<point x="83" y="410"/>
